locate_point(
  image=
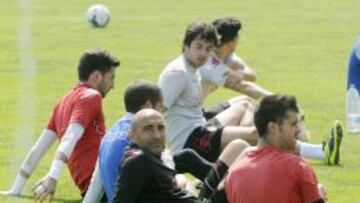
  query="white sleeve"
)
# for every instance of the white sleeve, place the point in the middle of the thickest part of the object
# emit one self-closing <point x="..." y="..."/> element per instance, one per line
<point x="216" y="74"/>
<point x="72" y="135"/>
<point x="232" y="59"/>
<point x="41" y="146"/>
<point x="95" y="190"/>
<point x="172" y="84"/>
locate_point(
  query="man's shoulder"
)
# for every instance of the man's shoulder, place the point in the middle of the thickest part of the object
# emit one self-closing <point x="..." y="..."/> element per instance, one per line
<point x="118" y="134"/>
<point x="136" y="156"/>
<point x="91" y="94"/>
<point x="176" y="66"/>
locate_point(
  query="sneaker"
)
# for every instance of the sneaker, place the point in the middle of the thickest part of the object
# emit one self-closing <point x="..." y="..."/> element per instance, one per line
<point x="332" y="145"/>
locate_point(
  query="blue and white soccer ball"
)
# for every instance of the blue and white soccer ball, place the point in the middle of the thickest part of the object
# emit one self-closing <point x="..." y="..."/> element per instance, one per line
<point x="98" y="15"/>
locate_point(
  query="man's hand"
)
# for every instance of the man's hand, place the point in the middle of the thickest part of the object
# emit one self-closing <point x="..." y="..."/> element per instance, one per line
<point x="233" y="79"/>
<point x="322" y="192"/>
<point x="44" y="188"/>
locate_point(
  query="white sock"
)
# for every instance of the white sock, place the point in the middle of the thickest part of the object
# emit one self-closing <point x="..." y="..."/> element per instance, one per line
<point x="19" y="184"/>
<point x="312" y="151"/>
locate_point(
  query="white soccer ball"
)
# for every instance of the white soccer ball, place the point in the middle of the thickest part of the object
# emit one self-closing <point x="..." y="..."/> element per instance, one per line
<point x="98" y="15"/>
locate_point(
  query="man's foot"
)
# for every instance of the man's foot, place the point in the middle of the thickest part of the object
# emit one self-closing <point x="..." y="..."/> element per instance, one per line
<point x="332" y="145"/>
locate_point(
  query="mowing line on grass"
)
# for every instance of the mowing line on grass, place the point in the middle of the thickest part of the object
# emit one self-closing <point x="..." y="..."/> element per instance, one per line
<point x="26" y="114"/>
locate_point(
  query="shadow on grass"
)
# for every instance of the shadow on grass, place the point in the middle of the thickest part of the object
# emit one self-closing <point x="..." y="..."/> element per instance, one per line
<point x="53" y="200"/>
<point x="323" y="165"/>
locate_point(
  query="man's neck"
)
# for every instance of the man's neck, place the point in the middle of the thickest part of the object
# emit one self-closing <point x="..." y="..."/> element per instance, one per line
<point x="88" y="84"/>
<point x="190" y="64"/>
<point x="263" y="142"/>
<point x="221" y="53"/>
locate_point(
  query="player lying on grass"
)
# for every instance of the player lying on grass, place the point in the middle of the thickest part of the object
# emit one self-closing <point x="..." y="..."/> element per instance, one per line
<point x="78" y="123"/>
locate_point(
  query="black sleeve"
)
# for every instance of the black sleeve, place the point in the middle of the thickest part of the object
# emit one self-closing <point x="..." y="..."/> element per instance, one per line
<point x="134" y="175"/>
<point x="319" y="201"/>
<point x="219" y="196"/>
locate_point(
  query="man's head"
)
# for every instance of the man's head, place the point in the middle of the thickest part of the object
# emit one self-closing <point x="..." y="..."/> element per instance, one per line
<point x="142" y="94"/>
<point x="97" y="68"/>
<point x="199" y="40"/>
<point x="228" y="30"/>
<point x="276" y="119"/>
<point x="148" y="131"/>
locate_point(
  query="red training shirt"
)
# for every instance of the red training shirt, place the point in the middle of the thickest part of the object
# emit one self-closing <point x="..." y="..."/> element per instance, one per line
<point x="272" y="176"/>
<point x="82" y="105"/>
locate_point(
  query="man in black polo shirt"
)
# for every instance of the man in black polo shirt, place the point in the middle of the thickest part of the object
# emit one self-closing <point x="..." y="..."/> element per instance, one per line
<point x="143" y="176"/>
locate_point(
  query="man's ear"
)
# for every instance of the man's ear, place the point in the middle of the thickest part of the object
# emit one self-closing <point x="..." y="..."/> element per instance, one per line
<point x="95" y="76"/>
<point x="272" y="128"/>
<point x="132" y="136"/>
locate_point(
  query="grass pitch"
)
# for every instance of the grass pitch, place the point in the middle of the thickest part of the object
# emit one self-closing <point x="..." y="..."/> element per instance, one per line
<point x="296" y="47"/>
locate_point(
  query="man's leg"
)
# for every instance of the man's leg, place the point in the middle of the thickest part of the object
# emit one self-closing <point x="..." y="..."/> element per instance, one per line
<point x="230" y="133"/>
<point x="221" y="166"/>
<point x="188" y="161"/>
<point x="328" y="151"/>
<point x="236" y="113"/>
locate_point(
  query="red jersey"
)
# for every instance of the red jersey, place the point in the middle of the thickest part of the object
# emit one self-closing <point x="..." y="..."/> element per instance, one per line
<point x="82" y="105"/>
<point x="270" y="175"/>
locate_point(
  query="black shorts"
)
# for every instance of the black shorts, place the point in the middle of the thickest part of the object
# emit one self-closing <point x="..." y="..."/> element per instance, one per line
<point x="206" y="140"/>
<point x="215" y="110"/>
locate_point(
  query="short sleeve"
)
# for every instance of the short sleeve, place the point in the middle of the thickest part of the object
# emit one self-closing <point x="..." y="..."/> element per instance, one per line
<point x="86" y="109"/>
<point x="232" y="59"/>
<point x="217" y="74"/>
<point x="51" y="122"/>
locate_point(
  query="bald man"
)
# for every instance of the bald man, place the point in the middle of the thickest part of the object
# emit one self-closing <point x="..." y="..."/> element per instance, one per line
<point x="143" y="176"/>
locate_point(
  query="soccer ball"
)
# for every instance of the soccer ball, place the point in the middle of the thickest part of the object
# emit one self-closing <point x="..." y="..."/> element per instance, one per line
<point x="98" y="15"/>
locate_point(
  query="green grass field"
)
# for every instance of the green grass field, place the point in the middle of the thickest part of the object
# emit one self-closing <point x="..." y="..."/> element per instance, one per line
<point x="296" y="47"/>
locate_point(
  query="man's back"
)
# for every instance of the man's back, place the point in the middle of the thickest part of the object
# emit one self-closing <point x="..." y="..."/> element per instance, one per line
<point x="270" y="175"/>
<point x="111" y="152"/>
<point x="82" y="105"/>
<point x="144" y="178"/>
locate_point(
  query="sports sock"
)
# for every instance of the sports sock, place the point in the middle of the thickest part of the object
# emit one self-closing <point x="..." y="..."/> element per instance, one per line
<point x="19" y="184"/>
<point x="312" y="151"/>
<point x="213" y="178"/>
<point x="188" y="161"/>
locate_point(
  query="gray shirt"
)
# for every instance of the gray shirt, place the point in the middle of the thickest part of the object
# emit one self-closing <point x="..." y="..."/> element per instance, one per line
<point x="180" y="83"/>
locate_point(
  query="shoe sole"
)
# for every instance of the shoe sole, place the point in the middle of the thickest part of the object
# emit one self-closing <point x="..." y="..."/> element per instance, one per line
<point x="339" y="136"/>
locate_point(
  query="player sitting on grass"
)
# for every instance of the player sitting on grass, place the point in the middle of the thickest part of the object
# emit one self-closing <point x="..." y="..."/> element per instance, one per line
<point x="140" y="95"/>
<point x="78" y="123"/>
<point x="270" y="172"/>
<point x="225" y="68"/>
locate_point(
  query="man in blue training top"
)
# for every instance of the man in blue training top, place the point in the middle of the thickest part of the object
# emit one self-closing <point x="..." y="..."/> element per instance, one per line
<point x="138" y="95"/>
<point x="354" y="65"/>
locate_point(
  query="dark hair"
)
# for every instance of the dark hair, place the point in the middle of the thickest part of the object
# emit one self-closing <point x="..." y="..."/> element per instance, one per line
<point x="140" y="91"/>
<point x="96" y="60"/>
<point x="227" y="28"/>
<point x="202" y="31"/>
<point x="273" y="108"/>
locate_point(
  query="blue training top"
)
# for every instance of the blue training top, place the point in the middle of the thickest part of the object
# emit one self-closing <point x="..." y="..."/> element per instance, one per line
<point x="354" y="66"/>
<point x="111" y="152"/>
